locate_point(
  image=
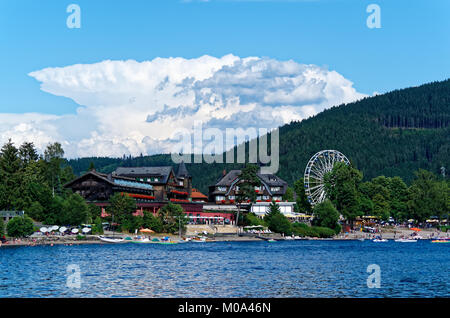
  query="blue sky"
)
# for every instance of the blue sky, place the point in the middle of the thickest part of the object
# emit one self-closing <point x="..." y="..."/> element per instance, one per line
<point x="412" y="47"/>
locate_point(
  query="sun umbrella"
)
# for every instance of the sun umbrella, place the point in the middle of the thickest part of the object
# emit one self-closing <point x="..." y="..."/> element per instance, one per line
<point x="62" y="229"/>
<point x="86" y="230"/>
<point x="416" y="229"/>
<point x="43" y="229"/>
<point x="55" y="227"/>
<point x="75" y="231"/>
<point x="146" y="231"/>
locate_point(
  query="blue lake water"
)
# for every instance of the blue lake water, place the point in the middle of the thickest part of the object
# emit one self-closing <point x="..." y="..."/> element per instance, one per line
<point x="228" y="269"/>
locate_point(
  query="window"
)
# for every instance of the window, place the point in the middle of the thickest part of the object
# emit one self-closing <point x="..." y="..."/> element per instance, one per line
<point x="231" y="197"/>
<point x="221" y="188"/>
<point x="266" y="197"/>
<point x="220" y="197"/>
<point x="274" y="189"/>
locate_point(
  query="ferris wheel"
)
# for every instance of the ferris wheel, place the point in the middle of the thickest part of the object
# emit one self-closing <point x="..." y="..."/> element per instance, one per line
<point x="319" y="164"/>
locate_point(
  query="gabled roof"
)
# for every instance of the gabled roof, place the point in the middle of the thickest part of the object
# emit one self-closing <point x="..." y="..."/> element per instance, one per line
<point x="162" y="172"/>
<point x="228" y="179"/>
<point x="114" y="180"/>
<point x="271" y="180"/>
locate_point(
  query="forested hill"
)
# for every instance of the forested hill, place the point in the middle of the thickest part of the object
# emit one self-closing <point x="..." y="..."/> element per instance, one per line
<point x="392" y="134"/>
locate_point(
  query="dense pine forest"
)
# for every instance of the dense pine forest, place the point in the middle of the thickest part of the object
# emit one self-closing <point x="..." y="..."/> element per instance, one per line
<point x="393" y="134"/>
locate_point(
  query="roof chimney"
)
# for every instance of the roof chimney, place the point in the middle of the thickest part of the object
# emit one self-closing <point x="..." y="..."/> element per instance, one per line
<point x="224" y="172"/>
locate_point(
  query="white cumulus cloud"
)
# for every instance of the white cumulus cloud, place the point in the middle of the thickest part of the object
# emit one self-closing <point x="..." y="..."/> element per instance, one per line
<point x="130" y="107"/>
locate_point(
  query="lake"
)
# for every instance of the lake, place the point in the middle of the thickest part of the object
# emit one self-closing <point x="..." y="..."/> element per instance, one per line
<point x="227" y="269"/>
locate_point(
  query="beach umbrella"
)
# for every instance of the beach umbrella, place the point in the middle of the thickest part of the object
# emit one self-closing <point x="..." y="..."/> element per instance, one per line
<point x="55" y="227"/>
<point x="86" y="230"/>
<point x="74" y="231"/>
<point x="62" y="229"/>
<point x="43" y="229"/>
<point x="146" y="231"/>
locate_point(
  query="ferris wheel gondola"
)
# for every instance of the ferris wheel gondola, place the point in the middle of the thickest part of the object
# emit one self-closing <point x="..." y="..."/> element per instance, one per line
<point x="320" y="164"/>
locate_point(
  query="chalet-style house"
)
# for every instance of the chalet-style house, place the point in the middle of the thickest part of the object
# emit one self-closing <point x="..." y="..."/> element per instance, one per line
<point x="151" y="187"/>
<point x="226" y="188"/>
<point x="167" y="185"/>
<point x="97" y="187"/>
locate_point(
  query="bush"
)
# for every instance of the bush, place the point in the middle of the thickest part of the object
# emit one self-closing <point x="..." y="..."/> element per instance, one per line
<point x="300" y="225"/>
<point x="305" y="231"/>
<point x="20" y="226"/>
<point x="280" y="224"/>
<point x="98" y="226"/>
<point x="81" y="237"/>
<point x="251" y="219"/>
<point x="326" y="215"/>
<point x="152" y="222"/>
<point x="323" y="232"/>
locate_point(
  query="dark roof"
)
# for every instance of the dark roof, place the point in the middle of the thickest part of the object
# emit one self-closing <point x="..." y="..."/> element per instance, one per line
<point x="228" y="179"/>
<point x="269" y="180"/>
<point x="114" y="180"/>
<point x="182" y="171"/>
<point x="163" y="172"/>
<point x="272" y="180"/>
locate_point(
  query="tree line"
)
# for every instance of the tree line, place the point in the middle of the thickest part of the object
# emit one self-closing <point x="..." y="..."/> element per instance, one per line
<point x="384" y="197"/>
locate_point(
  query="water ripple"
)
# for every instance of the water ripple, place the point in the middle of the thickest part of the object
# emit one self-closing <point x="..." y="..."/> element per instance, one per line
<point x="223" y="269"/>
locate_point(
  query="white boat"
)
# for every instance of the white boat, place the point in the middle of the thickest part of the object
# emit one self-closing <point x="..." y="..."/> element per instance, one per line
<point x="110" y="239"/>
<point x="406" y="240"/>
<point x="199" y="239"/>
<point x="142" y="240"/>
<point x="379" y="240"/>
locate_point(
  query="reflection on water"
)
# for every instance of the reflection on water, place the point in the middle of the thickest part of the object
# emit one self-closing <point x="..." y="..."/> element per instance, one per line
<point x="225" y="269"/>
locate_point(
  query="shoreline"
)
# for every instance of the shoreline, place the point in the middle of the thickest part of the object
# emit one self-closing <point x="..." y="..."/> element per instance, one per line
<point x="219" y="239"/>
<point x="388" y="234"/>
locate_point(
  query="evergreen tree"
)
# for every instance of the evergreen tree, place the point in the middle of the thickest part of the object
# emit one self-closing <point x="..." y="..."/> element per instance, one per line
<point x="276" y="221"/>
<point x="303" y="204"/>
<point x="2" y="228"/>
<point x="9" y="176"/>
